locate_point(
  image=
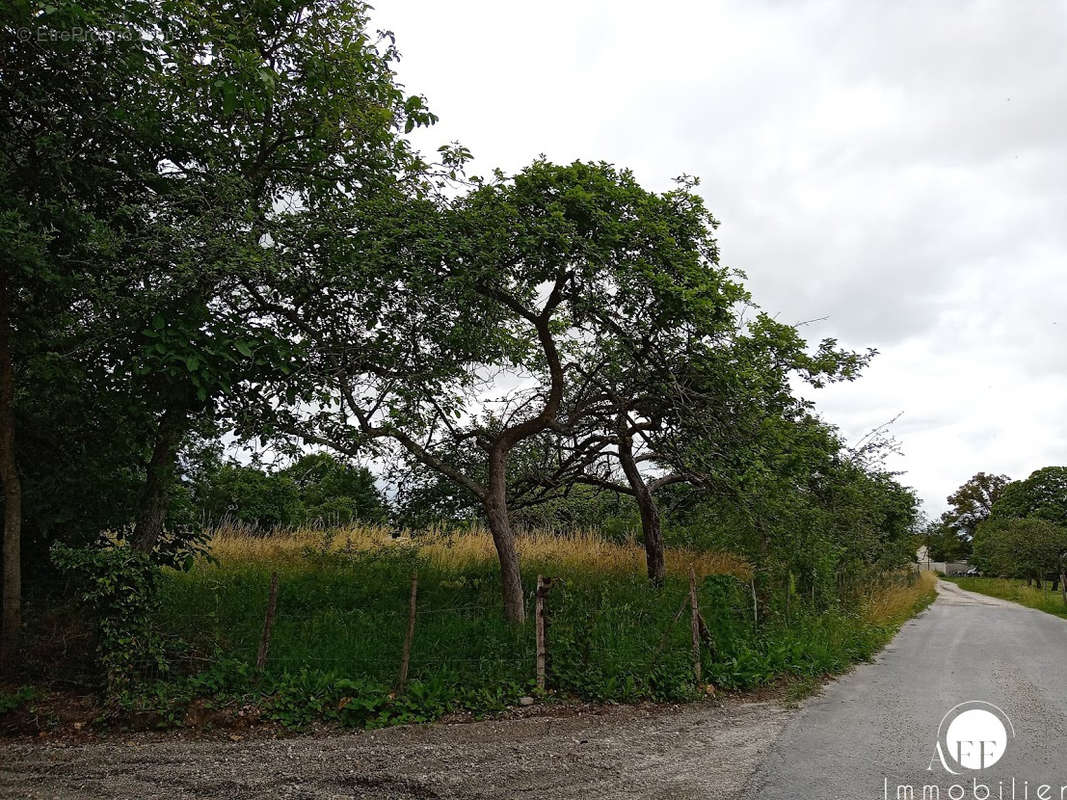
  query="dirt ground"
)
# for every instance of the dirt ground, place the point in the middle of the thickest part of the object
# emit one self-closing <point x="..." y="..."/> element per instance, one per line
<point x="702" y="751"/>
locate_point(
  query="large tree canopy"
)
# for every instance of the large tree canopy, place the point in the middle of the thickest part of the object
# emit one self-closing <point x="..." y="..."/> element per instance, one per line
<point x="146" y="164"/>
<point x="973" y="502"/>
<point x="509" y="283"/>
<point x="1043" y="495"/>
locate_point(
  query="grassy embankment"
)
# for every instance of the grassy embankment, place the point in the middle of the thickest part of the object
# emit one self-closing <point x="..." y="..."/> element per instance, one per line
<point x="1016" y="590"/>
<point x="343" y="607"/>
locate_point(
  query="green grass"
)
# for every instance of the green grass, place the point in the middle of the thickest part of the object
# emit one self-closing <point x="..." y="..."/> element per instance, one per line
<point x="347" y="614"/>
<point x="1016" y="590"/>
<point x="342" y="616"/>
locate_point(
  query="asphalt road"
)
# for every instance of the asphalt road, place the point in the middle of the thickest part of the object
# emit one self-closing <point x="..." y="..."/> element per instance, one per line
<point x="879" y="723"/>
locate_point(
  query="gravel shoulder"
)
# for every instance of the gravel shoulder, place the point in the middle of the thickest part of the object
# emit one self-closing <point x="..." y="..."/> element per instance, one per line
<point x="693" y="751"/>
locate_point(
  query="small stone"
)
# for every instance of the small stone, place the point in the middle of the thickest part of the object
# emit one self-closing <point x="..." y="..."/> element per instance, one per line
<point x="526" y="701"/>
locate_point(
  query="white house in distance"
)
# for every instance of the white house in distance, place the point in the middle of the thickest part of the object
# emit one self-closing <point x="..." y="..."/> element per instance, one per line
<point x="922" y="556"/>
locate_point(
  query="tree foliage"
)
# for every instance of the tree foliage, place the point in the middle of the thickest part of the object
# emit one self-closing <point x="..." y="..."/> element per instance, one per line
<point x="317" y="489"/>
<point x="1030" y="548"/>
<point x="1042" y="495"/>
<point x="213" y="223"/>
<point x="973" y="502"/>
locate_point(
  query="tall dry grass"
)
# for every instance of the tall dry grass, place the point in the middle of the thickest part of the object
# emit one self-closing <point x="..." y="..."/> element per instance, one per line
<point x="894" y="601"/>
<point x="462" y="550"/>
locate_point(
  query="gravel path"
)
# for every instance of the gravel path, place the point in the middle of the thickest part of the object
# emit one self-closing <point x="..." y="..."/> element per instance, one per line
<point x="697" y="751"/>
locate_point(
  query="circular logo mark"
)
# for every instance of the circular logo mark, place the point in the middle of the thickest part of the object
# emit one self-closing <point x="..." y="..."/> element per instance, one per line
<point x="973" y="736"/>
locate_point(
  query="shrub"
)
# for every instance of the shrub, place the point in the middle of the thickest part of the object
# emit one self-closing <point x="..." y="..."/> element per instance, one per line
<point x="13" y="701"/>
<point x="118" y="586"/>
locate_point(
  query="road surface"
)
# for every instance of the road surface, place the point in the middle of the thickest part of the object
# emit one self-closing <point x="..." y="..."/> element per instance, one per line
<point x="873" y="728"/>
<point x="879" y="723"/>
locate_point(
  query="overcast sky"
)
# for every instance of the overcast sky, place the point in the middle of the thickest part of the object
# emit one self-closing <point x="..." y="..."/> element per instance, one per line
<point x="899" y="168"/>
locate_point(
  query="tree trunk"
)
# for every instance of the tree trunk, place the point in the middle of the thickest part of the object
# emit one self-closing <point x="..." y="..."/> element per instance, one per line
<point x="152" y="512"/>
<point x="646" y="503"/>
<point x="650" y="529"/>
<point x="12" y="594"/>
<point x="496" y="511"/>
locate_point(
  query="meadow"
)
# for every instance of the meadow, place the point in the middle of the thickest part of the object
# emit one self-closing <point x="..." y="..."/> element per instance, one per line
<point x="342" y="614"/>
<point x="1016" y="590"/>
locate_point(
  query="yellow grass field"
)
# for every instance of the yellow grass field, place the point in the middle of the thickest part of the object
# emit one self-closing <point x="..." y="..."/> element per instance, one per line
<point x="892" y="604"/>
<point x="466" y="549"/>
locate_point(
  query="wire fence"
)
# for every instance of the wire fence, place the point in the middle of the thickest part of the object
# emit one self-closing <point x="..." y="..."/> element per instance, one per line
<point x="572" y="633"/>
<point x="588" y="634"/>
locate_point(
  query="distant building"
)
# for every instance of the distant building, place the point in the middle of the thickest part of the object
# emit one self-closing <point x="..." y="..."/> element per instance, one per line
<point x="922" y="556"/>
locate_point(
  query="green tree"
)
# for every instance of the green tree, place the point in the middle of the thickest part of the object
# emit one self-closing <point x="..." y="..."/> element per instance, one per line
<point x="684" y="394"/>
<point x="972" y="503"/>
<point x="1043" y="495"/>
<point x="317" y="488"/>
<point x="811" y="514"/>
<point x="664" y="316"/>
<point x="286" y="109"/>
<point x="503" y="278"/>
<point x="148" y="163"/>
<point x="332" y="491"/>
<point x="75" y="113"/>
<point x="944" y="543"/>
<point x="1031" y="548"/>
<point x="249" y="495"/>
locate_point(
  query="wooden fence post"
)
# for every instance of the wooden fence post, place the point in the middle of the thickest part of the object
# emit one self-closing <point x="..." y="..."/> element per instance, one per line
<point x="695" y="622"/>
<point x="788" y="593"/>
<point x="755" y="608"/>
<point x="268" y="623"/>
<point x="541" y="621"/>
<point x="405" y="659"/>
